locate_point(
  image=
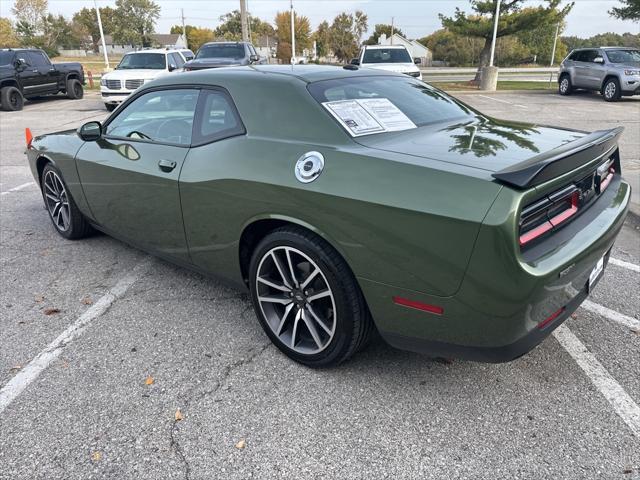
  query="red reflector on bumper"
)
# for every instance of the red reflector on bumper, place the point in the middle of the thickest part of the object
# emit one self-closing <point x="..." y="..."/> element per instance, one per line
<point x="550" y="318"/>
<point x="425" y="307"/>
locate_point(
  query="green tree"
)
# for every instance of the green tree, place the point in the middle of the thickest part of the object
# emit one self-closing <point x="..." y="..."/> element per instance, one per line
<point x="626" y="40"/>
<point x="231" y="27"/>
<point x="134" y="22"/>
<point x="283" y="33"/>
<point x="454" y="50"/>
<point x="630" y="10"/>
<point x="513" y="19"/>
<point x="346" y="32"/>
<point x="322" y="37"/>
<point x="195" y="36"/>
<point x="8" y="37"/>
<point x="381" y="28"/>
<point x="30" y="15"/>
<point x="540" y="41"/>
<point x="88" y="20"/>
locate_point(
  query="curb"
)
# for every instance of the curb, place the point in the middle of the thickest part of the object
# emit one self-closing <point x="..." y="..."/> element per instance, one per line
<point x="502" y="92"/>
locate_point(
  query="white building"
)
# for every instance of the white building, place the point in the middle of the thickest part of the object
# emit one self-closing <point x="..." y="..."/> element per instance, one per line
<point x="415" y="48"/>
<point x="162" y="40"/>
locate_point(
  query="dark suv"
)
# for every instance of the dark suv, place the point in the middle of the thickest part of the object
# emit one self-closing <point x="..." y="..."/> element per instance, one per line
<point x="612" y="71"/>
<point x="223" y="54"/>
<point x="27" y="73"/>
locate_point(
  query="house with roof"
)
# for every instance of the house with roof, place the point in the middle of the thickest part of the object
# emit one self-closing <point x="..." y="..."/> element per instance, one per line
<point x="415" y="48"/>
<point x="161" y="40"/>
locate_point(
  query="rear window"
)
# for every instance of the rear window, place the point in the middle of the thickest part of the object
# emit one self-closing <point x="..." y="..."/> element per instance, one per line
<point x="418" y="101"/>
<point x="221" y="51"/>
<point x="386" y="55"/>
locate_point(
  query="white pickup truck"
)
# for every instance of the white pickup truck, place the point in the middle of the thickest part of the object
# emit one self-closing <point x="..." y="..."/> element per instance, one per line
<point x="394" y="58"/>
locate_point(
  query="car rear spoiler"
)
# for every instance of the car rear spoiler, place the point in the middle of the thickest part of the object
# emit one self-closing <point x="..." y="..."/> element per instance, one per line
<point x="560" y="160"/>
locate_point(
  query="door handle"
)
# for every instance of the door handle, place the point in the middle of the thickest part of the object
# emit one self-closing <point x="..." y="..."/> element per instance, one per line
<point x="167" y="165"/>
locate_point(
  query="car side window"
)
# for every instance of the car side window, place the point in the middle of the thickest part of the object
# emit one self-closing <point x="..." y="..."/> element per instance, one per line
<point x="38" y="59"/>
<point x="574" y="56"/>
<point x="163" y="116"/>
<point x="588" y="56"/>
<point x="252" y="51"/>
<point x="216" y="118"/>
<point x="177" y="60"/>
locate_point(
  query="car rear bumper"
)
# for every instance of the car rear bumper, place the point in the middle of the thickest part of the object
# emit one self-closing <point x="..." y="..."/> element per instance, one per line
<point x="505" y="306"/>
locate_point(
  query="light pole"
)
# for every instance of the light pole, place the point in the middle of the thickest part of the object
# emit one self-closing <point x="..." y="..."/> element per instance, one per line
<point x="243" y="20"/>
<point x="495" y="32"/>
<point x="293" y="35"/>
<point x="104" y="44"/>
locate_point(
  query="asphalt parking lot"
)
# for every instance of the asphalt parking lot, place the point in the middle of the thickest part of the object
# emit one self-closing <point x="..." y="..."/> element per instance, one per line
<point x="154" y="372"/>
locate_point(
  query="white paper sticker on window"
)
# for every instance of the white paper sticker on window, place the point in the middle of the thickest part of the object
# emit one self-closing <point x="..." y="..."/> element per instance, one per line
<point x="364" y="116"/>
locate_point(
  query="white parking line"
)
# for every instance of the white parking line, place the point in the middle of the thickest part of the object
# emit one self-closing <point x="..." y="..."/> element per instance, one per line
<point x="622" y="263"/>
<point x="620" y="318"/>
<point x="503" y="101"/>
<point x="619" y="399"/>
<point x="30" y="372"/>
<point x="15" y="189"/>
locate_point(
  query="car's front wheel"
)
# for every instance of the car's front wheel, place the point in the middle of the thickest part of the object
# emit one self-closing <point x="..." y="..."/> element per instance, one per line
<point x="611" y="90"/>
<point x="63" y="211"/>
<point x="564" y="85"/>
<point x="307" y="299"/>
<point x="11" y="99"/>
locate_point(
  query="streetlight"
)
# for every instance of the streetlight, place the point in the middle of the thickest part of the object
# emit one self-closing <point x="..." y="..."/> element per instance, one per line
<point x="293" y="35"/>
<point x="495" y="32"/>
<point x="104" y="44"/>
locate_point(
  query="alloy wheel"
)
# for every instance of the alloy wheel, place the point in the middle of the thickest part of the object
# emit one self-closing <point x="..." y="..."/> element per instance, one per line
<point x="610" y="90"/>
<point x="296" y="300"/>
<point x="564" y="85"/>
<point x="57" y="201"/>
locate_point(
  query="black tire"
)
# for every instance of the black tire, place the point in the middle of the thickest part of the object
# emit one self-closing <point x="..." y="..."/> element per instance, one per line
<point x="564" y="85"/>
<point x="11" y="98"/>
<point x="611" y="90"/>
<point x="78" y="226"/>
<point x="75" y="91"/>
<point x="110" y="106"/>
<point x="353" y="324"/>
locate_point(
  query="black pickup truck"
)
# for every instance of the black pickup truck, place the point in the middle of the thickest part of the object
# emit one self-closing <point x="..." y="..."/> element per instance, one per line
<point x="28" y="73"/>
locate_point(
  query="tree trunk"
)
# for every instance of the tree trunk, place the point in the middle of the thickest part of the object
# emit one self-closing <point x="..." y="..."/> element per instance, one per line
<point x="485" y="55"/>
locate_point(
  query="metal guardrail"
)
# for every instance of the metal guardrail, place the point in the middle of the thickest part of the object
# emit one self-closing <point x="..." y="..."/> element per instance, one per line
<point x="472" y="70"/>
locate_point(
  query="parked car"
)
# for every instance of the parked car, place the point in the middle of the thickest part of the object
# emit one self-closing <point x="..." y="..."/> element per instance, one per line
<point x="28" y="73"/>
<point x="393" y="58"/>
<point x="187" y="54"/>
<point x="612" y="71"/>
<point x="224" y="54"/>
<point x="134" y="70"/>
<point x="349" y="199"/>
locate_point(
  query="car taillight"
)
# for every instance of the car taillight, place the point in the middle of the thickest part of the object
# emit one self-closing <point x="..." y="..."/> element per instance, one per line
<point x="547" y="214"/>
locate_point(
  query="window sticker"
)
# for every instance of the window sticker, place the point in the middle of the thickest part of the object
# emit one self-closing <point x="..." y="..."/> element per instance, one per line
<point x="365" y="116"/>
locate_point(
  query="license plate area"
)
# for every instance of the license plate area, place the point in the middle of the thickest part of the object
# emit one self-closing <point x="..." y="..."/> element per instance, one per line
<point x="597" y="272"/>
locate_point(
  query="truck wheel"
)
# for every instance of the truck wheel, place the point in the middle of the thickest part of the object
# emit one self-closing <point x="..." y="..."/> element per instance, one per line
<point x="74" y="89"/>
<point x="564" y="85"/>
<point x="611" y="90"/>
<point x="11" y="98"/>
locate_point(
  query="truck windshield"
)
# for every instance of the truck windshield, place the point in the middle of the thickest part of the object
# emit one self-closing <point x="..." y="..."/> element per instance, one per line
<point x="418" y="101"/>
<point x="623" y="56"/>
<point x="6" y="58"/>
<point x="221" y="51"/>
<point x="386" y="55"/>
<point x="151" y="61"/>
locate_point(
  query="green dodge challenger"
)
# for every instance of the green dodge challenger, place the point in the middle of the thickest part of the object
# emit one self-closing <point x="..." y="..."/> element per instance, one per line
<point x="347" y="200"/>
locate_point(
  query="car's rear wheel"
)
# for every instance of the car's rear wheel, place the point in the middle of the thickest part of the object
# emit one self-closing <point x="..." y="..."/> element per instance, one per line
<point x="74" y="89"/>
<point x="611" y="90"/>
<point x="307" y="299"/>
<point x="11" y="99"/>
<point x="110" y="106"/>
<point x="63" y="212"/>
<point x="564" y="85"/>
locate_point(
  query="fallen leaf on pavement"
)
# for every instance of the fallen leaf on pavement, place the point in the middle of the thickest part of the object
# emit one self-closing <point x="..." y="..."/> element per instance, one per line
<point x="39" y="298"/>
<point x="15" y="368"/>
<point x="51" y="310"/>
<point x="178" y="415"/>
<point x="87" y="301"/>
<point x="149" y="380"/>
<point x="96" y="456"/>
<point x="241" y="444"/>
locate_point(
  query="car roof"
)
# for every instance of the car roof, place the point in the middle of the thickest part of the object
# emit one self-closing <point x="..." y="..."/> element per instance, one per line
<point x="154" y="50"/>
<point x="229" y="42"/>
<point x="376" y="47"/>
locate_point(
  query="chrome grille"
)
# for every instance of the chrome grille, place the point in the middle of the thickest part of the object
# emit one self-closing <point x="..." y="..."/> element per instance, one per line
<point x="133" y="84"/>
<point x="113" y="84"/>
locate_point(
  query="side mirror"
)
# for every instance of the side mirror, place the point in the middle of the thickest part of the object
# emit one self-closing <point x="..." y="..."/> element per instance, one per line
<point x="598" y="60"/>
<point x="254" y="58"/>
<point x="21" y="64"/>
<point x="417" y="61"/>
<point x="90" y="131"/>
<point x="172" y="67"/>
<point x="355" y="61"/>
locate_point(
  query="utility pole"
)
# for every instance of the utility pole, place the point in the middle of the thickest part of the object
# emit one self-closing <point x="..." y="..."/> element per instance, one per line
<point x="243" y="20"/>
<point x="184" y="30"/>
<point x="495" y="32"/>
<point x="553" y="52"/>
<point x="293" y="34"/>
<point x="104" y="44"/>
<point x="392" y="30"/>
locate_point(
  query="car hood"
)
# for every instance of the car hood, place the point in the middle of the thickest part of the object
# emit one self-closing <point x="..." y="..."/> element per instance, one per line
<point x="393" y="67"/>
<point x="478" y="142"/>
<point x="125" y="74"/>
<point x="633" y="65"/>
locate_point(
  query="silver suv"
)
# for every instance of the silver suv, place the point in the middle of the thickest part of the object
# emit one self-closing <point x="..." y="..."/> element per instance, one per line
<point x="613" y="71"/>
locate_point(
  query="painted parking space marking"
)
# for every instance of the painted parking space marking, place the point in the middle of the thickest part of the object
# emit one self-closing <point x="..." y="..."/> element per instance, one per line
<point x="624" y="320"/>
<point x="503" y="101"/>
<point x="19" y="187"/>
<point x="619" y="399"/>
<point x="623" y="264"/>
<point x="15" y="386"/>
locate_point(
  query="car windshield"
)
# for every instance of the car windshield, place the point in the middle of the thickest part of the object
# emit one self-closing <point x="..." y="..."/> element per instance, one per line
<point x="6" y="58"/>
<point x="623" y="56"/>
<point x="420" y="102"/>
<point x="233" y="51"/>
<point x="386" y="55"/>
<point x="151" y="61"/>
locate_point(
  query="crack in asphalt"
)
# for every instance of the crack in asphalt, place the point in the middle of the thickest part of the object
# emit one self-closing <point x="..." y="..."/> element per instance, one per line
<point x="227" y="372"/>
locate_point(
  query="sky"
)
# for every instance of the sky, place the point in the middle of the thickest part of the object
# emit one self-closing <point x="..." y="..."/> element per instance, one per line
<point x="416" y="18"/>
